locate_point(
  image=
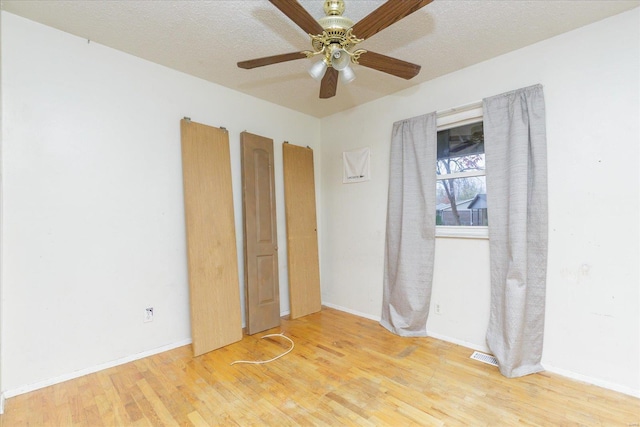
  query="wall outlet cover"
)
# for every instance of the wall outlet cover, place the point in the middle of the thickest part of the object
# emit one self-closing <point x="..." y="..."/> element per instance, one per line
<point x="148" y="314"/>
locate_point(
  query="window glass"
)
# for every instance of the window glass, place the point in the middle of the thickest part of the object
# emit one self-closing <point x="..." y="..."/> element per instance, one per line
<point x="461" y="149"/>
<point x="469" y="196"/>
<point x="461" y="192"/>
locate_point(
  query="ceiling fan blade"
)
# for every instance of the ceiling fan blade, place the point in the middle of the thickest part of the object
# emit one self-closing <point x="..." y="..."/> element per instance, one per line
<point x="268" y="60"/>
<point x="329" y="83"/>
<point x="389" y="65"/>
<point x="389" y="13"/>
<point x="299" y="15"/>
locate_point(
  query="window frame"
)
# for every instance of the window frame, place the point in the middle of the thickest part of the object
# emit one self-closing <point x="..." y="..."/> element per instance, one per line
<point x="454" y="117"/>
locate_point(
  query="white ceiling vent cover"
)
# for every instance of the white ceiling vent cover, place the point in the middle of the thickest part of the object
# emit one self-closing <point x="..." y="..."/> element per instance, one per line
<point x="485" y="358"/>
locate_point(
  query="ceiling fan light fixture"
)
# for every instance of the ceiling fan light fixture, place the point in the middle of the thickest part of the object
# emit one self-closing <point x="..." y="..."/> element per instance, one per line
<point x="317" y="70"/>
<point x="347" y="75"/>
<point x="340" y="58"/>
<point x="334" y="41"/>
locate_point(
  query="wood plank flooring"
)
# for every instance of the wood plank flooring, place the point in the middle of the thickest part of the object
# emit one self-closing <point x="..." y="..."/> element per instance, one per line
<point x="344" y="370"/>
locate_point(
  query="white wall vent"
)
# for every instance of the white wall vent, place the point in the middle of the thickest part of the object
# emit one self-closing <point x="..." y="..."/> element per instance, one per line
<point x="486" y="358"/>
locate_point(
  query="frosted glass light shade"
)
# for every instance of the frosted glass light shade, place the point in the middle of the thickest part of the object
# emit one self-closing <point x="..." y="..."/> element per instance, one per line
<point x="347" y="75"/>
<point x="340" y="59"/>
<point x="317" y="70"/>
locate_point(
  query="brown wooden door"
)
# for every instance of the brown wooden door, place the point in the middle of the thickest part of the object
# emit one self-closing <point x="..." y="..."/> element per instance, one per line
<point x="214" y="289"/>
<point x="302" y="236"/>
<point x="260" y="234"/>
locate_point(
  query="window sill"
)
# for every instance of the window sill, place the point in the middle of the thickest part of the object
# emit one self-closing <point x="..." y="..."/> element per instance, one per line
<point x="462" y="232"/>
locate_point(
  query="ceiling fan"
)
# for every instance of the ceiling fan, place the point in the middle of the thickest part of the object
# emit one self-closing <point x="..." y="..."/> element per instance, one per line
<point x="333" y="38"/>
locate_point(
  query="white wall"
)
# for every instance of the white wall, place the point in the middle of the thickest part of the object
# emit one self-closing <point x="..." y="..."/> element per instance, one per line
<point x="591" y="83"/>
<point x="93" y="214"/>
<point x="1" y="204"/>
<point x="93" y="208"/>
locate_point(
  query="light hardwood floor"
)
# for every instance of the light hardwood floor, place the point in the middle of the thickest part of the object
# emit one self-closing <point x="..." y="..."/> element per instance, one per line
<point x="344" y="370"/>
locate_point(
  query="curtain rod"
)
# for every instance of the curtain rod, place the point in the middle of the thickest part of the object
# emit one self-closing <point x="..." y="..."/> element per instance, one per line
<point x="460" y="109"/>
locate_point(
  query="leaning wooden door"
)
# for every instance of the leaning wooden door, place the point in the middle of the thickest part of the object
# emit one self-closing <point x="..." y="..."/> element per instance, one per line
<point x="260" y="234"/>
<point x="302" y="236"/>
<point x="216" y="318"/>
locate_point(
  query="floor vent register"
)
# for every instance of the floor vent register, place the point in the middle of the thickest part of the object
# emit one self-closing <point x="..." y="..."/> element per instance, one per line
<point x="485" y="358"/>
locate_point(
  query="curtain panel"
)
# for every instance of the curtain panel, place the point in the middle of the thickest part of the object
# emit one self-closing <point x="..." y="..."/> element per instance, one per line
<point x="516" y="161"/>
<point x="410" y="235"/>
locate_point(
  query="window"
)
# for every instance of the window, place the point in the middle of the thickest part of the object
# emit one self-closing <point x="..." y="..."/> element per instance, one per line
<point x="461" y="191"/>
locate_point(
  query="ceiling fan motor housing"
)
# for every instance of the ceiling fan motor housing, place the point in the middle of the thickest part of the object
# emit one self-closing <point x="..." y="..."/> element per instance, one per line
<point x="334" y="19"/>
<point x="336" y="38"/>
<point x="334" y="7"/>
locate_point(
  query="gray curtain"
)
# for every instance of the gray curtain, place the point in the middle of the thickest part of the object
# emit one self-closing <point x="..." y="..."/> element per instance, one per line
<point x="410" y="238"/>
<point x="516" y="160"/>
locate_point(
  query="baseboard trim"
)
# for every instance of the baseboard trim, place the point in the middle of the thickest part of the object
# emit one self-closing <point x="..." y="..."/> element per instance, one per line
<point x="591" y="380"/>
<point x="462" y="343"/>
<point x="82" y="372"/>
<point x="563" y="372"/>
<point x="430" y="334"/>
<point x="354" y="312"/>
<point x="62" y="378"/>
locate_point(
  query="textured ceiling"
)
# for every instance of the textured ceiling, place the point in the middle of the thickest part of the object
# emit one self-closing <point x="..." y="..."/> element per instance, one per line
<point x="207" y="38"/>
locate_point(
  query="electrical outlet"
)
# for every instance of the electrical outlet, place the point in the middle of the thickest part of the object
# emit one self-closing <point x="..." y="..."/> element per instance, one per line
<point x="148" y="314"/>
<point x="438" y="308"/>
